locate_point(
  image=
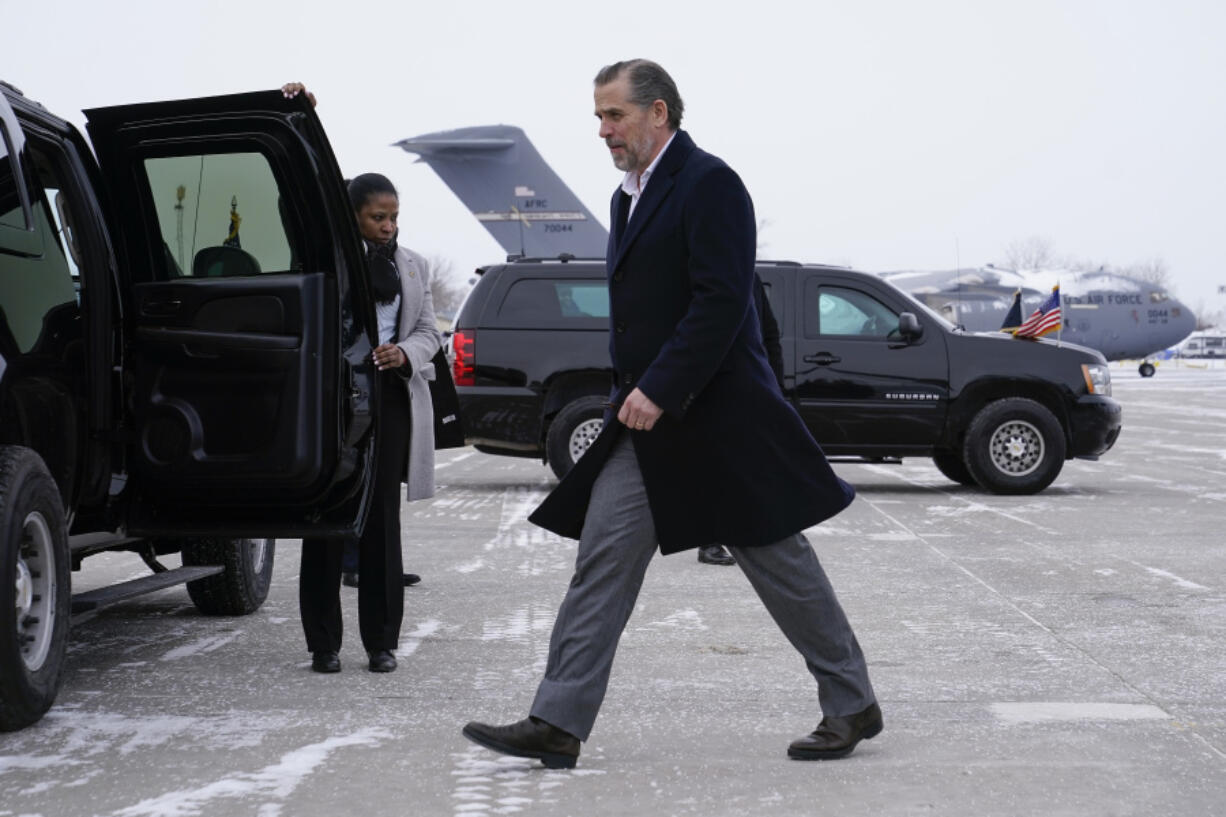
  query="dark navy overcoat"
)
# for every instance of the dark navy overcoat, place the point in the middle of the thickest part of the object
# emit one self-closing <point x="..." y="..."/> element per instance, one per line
<point x="730" y="460"/>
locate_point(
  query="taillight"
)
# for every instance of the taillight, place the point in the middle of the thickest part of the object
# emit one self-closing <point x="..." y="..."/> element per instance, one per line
<point x="464" y="346"/>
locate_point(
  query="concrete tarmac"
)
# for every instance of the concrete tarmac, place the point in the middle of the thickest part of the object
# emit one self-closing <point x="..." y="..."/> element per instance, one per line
<point x="1058" y="654"/>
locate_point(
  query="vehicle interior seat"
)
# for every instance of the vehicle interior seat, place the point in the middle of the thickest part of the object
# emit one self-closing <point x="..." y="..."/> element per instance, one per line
<point x="224" y="262"/>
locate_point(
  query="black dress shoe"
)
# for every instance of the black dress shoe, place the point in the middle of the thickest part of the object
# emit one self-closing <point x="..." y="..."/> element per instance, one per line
<point x="411" y="579"/>
<point x="715" y="555"/>
<point x="382" y="661"/>
<point x="837" y="737"/>
<point x="530" y="737"/>
<point x="325" y="661"/>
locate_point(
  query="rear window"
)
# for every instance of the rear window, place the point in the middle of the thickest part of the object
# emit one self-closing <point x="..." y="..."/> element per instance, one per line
<point x="552" y="303"/>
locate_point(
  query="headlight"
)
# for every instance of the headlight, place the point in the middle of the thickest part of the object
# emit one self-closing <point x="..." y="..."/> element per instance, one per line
<point x="1098" y="378"/>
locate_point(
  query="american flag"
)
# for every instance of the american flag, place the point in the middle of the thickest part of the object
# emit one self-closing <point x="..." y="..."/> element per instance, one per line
<point x="1044" y="319"/>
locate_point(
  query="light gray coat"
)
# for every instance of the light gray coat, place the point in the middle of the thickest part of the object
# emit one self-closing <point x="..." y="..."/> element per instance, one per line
<point x="417" y="334"/>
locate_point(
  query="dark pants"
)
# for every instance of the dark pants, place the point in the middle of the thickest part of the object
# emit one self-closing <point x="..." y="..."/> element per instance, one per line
<point x="381" y="590"/>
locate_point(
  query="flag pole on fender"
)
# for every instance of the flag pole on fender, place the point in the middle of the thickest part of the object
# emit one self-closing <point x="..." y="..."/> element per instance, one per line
<point x="1060" y="308"/>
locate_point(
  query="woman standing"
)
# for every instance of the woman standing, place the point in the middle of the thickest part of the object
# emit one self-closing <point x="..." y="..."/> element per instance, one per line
<point x="408" y="339"/>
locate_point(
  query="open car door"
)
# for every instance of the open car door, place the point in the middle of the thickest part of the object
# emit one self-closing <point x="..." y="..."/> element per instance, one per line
<point x="247" y="380"/>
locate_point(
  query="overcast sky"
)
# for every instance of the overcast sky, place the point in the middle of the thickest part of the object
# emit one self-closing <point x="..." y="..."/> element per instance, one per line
<point x="883" y="135"/>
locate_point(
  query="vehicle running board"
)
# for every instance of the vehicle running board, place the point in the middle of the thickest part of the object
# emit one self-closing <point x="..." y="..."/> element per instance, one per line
<point x="90" y="602"/>
<point x="869" y="460"/>
<point x="98" y="541"/>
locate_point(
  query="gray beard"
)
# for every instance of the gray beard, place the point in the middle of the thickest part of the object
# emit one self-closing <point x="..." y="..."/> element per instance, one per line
<point x="631" y="156"/>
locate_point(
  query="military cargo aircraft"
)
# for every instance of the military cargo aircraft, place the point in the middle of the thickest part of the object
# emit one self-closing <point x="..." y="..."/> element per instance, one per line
<point x="510" y="188"/>
<point x="1124" y="318"/>
<point x="499" y="175"/>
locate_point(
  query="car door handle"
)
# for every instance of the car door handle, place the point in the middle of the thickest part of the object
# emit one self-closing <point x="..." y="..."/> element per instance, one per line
<point x="160" y="308"/>
<point x="822" y="358"/>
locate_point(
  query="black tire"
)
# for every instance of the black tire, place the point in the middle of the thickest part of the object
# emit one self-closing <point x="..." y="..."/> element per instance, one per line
<point x="1014" y="446"/>
<point x="572" y="431"/>
<point x="35" y="590"/>
<point x="242" y="587"/>
<point x="1146" y="369"/>
<point x="951" y="465"/>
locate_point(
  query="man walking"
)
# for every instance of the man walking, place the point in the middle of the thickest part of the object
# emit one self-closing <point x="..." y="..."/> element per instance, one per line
<point x="704" y="447"/>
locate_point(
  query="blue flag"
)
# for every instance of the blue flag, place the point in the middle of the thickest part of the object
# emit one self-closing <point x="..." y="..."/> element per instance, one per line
<point x="1014" y="319"/>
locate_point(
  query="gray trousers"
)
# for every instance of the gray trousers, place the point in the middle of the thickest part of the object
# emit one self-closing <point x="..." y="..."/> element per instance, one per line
<point x="616" y="545"/>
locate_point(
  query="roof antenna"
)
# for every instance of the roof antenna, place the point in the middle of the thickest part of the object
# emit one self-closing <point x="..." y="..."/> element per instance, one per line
<point x="958" y="279"/>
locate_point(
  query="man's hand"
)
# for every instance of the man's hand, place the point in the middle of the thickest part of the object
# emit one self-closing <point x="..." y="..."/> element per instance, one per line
<point x="638" y="412"/>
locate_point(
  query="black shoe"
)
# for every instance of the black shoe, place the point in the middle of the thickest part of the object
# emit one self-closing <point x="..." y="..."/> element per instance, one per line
<point x="411" y="579"/>
<point x="382" y="661"/>
<point x="715" y="555"/>
<point x="837" y="737"/>
<point x="530" y="737"/>
<point x="325" y="661"/>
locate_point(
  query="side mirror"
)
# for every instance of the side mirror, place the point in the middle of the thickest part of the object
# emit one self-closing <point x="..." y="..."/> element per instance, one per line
<point x="909" y="327"/>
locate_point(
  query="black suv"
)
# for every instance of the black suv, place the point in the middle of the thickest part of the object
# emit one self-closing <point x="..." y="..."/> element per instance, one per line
<point x="875" y="374"/>
<point x="184" y="358"/>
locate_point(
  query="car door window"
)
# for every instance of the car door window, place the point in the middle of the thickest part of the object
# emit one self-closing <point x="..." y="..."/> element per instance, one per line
<point x="841" y="311"/>
<point x="220" y="215"/>
<point x="13" y="213"/>
<point x="33" y="284"/>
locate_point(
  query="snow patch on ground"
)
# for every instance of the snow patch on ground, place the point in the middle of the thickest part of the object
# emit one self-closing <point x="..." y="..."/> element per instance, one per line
<point x="411" y="641"/>
<point x="454" y="460"/>
<point x="277" y="780"/>
<point x="682" y="620"/>
<point x="520" y="624"/>
<point x="1022" y="712"/>
<point x="487" y="783"/>
<point x="200" y="646"/>
<point x="1178" y="581"/>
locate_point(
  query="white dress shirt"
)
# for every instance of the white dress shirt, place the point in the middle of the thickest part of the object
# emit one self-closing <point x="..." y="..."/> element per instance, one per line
<point x="387" y="315"/>
<point x="634" y="184"/>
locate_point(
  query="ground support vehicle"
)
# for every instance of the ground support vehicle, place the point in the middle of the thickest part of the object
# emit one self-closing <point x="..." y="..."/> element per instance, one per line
<point x="184" y="359"/>
<point x="874" y="374"/>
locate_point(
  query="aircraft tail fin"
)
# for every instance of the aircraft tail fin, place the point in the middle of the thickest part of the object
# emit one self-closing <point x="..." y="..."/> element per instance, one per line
<point x="499" y="175"/>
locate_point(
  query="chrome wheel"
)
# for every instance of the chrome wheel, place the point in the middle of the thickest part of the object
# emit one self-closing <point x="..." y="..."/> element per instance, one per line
<point x="1016" y="448"/>
<point x="583" y="435"/>
<point x="35" y="596"/>
<point x="572" y="431"/>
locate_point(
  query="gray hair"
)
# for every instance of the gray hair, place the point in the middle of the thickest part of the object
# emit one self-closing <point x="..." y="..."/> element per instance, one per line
<point x="648" y="82"/>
